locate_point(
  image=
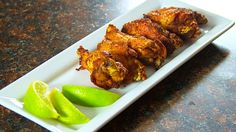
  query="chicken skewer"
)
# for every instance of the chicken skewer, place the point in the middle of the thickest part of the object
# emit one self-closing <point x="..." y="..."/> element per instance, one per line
<point x="145" y="27"/>
<point x="184" y="22"/>
<point x="148" y="51"/>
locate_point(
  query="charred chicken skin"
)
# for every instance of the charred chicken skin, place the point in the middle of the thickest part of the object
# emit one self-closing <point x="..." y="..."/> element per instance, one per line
<point x="105" y="71"/>
<point x="184" y="22"/>
<point x="145" y="27"/>
<point x="147" y="50"/>
<point x="120" y="52"/>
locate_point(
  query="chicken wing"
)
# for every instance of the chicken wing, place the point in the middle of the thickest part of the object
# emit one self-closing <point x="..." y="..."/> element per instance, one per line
<point x="145" y="27"/>
<point x="184" y="22"/>
<point x="148" y="51"/>
<point x="105" y="71"/>
<point x="120" y="52"/>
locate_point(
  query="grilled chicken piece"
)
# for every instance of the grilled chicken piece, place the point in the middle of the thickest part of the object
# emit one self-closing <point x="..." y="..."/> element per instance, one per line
<point x="184" y="22"/>
<point x="148" y="51"/>
<point x="145" y="27"/>
<point x="201" y="19"/>
<point x="105" y="71"/>
<point x="120" y="52"/>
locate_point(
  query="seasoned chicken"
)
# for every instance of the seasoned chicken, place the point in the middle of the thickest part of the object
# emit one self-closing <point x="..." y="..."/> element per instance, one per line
<point x="145" y="27"/>
<point x="148" y="51"/>
<point x="120" y="52"/>
<point x="201" y="19"/>
<point x="184" y="22"/>
<point x="105" y="71"/>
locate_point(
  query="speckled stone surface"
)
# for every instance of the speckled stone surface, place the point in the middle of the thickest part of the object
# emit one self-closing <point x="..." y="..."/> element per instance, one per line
<point x="199" y="96"/>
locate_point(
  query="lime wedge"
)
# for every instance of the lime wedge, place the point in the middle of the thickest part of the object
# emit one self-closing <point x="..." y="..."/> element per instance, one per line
<point x="89" y="96"/>
<point x="37" y="102"/>
<point x="69" y="114"/>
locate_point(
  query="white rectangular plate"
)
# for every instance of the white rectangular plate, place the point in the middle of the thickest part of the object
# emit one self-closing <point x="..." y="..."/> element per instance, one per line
<point x="60" y="69"/>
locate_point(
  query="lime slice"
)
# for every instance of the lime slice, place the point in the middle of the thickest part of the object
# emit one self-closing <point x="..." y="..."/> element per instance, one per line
<point x="69" y="114"/>
<point x="36" y="101"/>
<point x="89" y="96"/>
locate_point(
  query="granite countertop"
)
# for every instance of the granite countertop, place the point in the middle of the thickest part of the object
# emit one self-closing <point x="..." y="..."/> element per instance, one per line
<point x="199" y="96"/>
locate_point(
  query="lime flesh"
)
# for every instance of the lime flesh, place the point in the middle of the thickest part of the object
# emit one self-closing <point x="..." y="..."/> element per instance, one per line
<point x="69" y="114"/>
<point x="36" y="101"/>
<point x="89" y="96"/>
